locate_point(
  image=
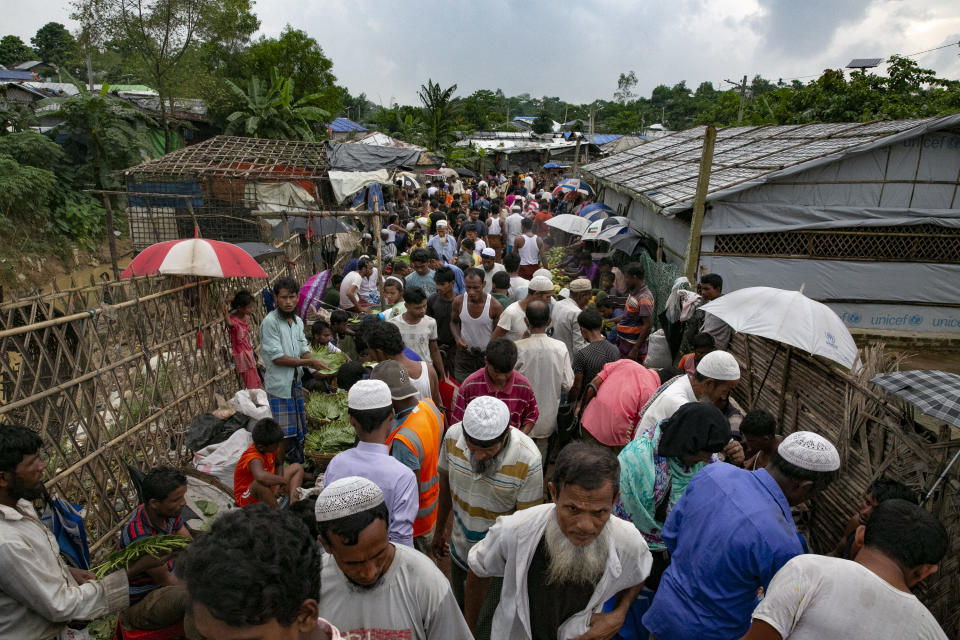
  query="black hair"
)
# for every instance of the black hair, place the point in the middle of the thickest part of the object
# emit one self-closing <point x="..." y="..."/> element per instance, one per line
<point x="820" y="479"/>
<point x="511" y="261"/>
<point x="338" y="316"/>
<point x="906" y="532"/>
<point x="348" y="528"/>
<point x="474" y="272"/>
<point x="608" y="275"/>
<point x="605" y="262"/>
<point x="502" y="355"/>
<point x="486" y="444"/>
<point x="349" y="374"/>
<point x="538" y="314"/>
<point x="501" y="280"/>
<point x="432" y="253"/>
<point x="255" y="565"/>
<point x="668" y="373"/>
<point x="713" y="280"/>
<point x="16" y="443"/>
<point x="370" y="420"/>
<point x="395" y="281"/>
<point x="605" y="302"/>
<point x="703" y="340"/>
<point x="526" y="223"/>
<point x="884" y="488"/>
<point x="469" y="244"/>
<point x="241" y="299"/>
<point x="305" y="510"/>
<point x="419" y="255"/>
<point x="586" y="465"/>
<point x="336" y="280"/>
<point x="590" y="319"/>
<point x="584" y="255"/>
<point x="363" y="262"/>
<point x="160" y="482"/>
<point x="318" y="327"/>
<point x="759" y="423"/>
<point x="415" y="295"/>
<point x="285" y="282"/>
<point x="267" y="432"/>
<point x="444" y="274"/>
<point x="634" y="269"/>
<point x="385" y="336"/>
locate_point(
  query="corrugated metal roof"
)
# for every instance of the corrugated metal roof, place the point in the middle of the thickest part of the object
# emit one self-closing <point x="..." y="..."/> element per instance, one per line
<point x="7" y="74"/>
<point x="345" y="125"/>
<point x="665" y="170"/>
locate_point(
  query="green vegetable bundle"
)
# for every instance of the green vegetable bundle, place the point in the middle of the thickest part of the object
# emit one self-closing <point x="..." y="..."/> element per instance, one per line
<point x="152" y="545"/>
<point x="332" y="431"/>
<point x="331" y="361"/>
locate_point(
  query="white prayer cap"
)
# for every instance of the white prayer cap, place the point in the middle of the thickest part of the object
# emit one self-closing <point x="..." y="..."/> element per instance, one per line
<point x="545" y="273"/>
<point x="441" y="223"/>
<point x="539" y="283"/>
<point x="515" y="208"/>
<point x="563" y="293"/>
<point x="719" y="365"/>
<point x="423" y="221"/>
<point x="489" y="253"/>
<point x="410" y="226"/>
<point x="369" y="394"/>
<point x="486" y="418"/>
<point x="346" y="497"/>
<point x="810" y="451"/>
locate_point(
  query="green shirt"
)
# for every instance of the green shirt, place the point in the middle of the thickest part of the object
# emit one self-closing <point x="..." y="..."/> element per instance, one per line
<point x="278" y="339"/>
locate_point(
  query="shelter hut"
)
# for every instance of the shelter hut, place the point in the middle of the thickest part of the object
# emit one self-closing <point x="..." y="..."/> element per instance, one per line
<point x="863" y="216"/>
<point x="219" y="184"/>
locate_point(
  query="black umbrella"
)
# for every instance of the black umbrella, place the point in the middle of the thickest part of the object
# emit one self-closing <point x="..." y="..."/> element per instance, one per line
<point x="260" y="250"/>
<point x="626" y="242"/>
<point x="466" y="173"/>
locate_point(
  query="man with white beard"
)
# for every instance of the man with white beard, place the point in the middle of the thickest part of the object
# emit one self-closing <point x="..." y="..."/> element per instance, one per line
<point x="487" y="469"/>
<point x="560" y="562"/>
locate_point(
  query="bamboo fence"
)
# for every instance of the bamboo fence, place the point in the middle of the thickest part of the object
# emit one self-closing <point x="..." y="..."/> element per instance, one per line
<point x="112" y="374"/>
<point x="876" y="435"/>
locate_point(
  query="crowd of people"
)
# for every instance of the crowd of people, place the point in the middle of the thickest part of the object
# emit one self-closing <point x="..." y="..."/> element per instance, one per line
<point x="567" y="491"/>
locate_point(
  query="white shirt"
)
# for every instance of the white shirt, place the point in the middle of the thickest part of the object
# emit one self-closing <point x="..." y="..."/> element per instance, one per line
<point x="512" y="227"/>
<point x="518" y="288"/>
<point x="513" y="320"/>
<point x="479" y="245"/>
<point x="507" y="550"/>
<point x="679" y="393"/>
<point x="38" y="595"/>
<point x="547" y="365"/>
<point x="566" y="329"/>
<point x="814" y="597"/>
<point x="418" y="336"/>
<point x="352" y="279"/>
<point x="431" y="190"/>
<point x="488" y="276"/>
<point x="369" y="284"/>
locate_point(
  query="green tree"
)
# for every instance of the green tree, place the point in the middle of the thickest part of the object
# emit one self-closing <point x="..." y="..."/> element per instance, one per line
<point x="54" y="44"/>
<point x="13" y="49"/>
<point x="543" y="123"/>
<point x="271" y="112"/>
<point x="626" y="86"/>
<point x="439" y="114"/>
<point x="483" y="108"/>
<point x="14" y="117"/>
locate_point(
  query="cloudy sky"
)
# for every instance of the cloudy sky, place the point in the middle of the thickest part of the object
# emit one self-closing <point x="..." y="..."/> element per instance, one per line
<point x="576" y="50"/>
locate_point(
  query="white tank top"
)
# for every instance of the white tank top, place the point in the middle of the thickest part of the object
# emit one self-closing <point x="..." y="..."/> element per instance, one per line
<point x="529" y="253"/>
<point x="423" y="383"/>
<point x="494" y="228"/>
<point x="476" y="332"/>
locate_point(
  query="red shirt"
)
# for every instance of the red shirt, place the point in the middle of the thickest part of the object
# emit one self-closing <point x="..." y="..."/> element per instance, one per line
<point x="517" y="394"/>
<point x="243" y="477"/>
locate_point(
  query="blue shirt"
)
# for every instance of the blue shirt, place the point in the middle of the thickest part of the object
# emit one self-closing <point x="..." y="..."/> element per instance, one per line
<point x="445" y="247"/>
<point x="425" y="282"/>
<point x="727" y="537"/>
<point x="459" y="286"/>
<point x="277" y="339"/>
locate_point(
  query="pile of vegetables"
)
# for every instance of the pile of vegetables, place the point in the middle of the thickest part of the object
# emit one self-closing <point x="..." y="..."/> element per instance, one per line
<point x="329" y="424"/>
<point x="555" y="257"/>
<point x="152" y="545"/>
<point x="331" y="361"/>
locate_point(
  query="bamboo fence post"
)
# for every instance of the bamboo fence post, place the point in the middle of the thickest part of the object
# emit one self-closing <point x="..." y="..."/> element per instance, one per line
<point x="111" y="238"/>
<point x="699" y="204"/>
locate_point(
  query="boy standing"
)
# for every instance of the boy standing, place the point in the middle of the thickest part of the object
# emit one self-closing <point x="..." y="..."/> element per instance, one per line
<point x="418" y="330"/>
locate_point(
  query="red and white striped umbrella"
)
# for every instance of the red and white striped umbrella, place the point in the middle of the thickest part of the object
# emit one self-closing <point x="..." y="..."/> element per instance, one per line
<point x="195" y="257"/>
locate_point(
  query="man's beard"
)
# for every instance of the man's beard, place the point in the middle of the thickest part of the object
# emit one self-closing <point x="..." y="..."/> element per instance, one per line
<point x="570" y="564"/>
<point x="489" y="466"/>
<point x="359" y="588"/>
<point x="287" y="315"/>
<point x="20" y="491"/>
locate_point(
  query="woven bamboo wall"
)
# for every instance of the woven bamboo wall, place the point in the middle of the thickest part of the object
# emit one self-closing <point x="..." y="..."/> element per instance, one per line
<point x="875" y="435"/>
<point x="111" y="374"/>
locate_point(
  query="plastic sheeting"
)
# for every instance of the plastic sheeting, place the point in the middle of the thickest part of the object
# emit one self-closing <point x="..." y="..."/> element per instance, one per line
<point x="347" y="183"/>
<point x="364" y="157"/>
<point x="735" y="217"/>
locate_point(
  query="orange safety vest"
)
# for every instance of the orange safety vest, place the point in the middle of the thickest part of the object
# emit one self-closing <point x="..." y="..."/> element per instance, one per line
<point x="422" y="432"/>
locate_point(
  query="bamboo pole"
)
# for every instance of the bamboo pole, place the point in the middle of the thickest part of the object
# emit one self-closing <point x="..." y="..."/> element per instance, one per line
<point x="699" y="205"/>
<point x="111" y="238"/>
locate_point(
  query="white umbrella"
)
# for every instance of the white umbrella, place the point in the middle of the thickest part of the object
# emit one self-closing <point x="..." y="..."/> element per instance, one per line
<point x="789" y="317"/>
<point x="569" y="223"/>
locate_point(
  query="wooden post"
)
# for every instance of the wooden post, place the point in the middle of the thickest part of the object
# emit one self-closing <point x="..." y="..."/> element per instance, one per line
<point x="111" y="238"/>
<point x="576" y="159"/>
<point x="376" y="236"/>
<point x="285" y="230"/>
<point x="699" y="205"/>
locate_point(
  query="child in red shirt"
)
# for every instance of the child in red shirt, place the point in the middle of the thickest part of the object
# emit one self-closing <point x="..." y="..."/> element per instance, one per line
<point x="259" y="475"/>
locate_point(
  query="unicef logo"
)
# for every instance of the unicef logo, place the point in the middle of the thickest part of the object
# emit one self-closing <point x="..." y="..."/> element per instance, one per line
<point x="831" y="341"/>
<point x="916" y="320"/>
<point x="854" y="318"/>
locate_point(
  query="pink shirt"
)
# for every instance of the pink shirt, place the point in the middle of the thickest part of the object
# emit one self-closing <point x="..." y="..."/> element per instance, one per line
<point x="626" y="387"/>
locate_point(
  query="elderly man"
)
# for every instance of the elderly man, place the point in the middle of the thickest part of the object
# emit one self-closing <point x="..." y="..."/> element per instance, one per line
<point x="512" y="324"/>
<point x="488" y="260"/>
<point x="729" y="534"/>
<point x="560" y="562"/>
<point x="370" y="587"/>
<point x="499" y="379"/>
<point x="487" y="470"/>
<point x="443" y="243"/>
<point x="285" y="349"/>
<point x="565" y="313"/>
<point x="546" y="364"/>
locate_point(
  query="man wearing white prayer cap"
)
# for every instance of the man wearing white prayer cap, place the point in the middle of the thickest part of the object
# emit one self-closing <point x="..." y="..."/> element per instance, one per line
<point x="487" y="469"/>
<point x="370" y="405"/>
<point x="717" y="375"/>
<point x="371" y="587"/>
<point x="730" y="533"/>
<point x="488" y="260"/>
<point x="512" y="324"/>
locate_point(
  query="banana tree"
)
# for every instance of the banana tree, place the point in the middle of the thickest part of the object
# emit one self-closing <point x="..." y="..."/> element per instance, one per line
<point x="269" y="111"/>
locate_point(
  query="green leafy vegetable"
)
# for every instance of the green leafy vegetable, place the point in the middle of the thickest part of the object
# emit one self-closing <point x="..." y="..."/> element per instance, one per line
<point x="207" y="508"/>
<point x="332" y="431"/>
<point x="331" y="361"/>
<point x="152" y="545"/>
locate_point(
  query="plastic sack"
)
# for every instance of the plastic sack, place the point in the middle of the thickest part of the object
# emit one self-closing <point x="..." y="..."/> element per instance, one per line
<point x="207" y="429"/>
<point x="251" y="402"/>
<point x="219" y="460"/>
<point x="658" y="351"/>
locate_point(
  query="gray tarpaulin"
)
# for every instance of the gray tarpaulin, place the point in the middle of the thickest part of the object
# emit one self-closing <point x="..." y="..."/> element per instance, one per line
<point x="742" y="217"/>
<point x="345" y="156"/>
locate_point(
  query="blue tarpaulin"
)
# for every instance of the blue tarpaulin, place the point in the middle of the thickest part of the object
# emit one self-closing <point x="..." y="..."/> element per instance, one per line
<point x="183" y="188"/>
<point x="345" y="125"/>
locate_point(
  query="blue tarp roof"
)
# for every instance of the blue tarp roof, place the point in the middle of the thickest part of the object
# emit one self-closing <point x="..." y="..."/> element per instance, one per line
<point x="7" y="74"/>
<point x="345" y="125"/>
<point x="598" y="138"/>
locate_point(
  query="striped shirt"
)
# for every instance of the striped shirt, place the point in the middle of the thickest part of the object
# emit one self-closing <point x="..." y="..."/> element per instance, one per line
<point x="639" y="306"/>
<point x="140" y="526"/>
<point x="517" y="394"/>
<point x="479" y="500"/>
